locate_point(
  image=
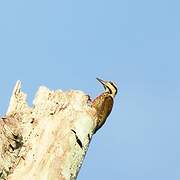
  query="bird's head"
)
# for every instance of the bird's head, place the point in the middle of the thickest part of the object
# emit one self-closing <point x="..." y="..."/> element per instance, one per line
<point x="109" y="87"/>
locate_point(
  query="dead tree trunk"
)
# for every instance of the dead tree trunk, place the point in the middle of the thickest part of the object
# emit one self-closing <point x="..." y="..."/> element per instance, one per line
<point x="48" y="140"/>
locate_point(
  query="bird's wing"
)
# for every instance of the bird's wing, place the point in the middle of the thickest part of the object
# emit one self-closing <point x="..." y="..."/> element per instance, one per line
<point x="104" y="109"/>
<point x="106" y="106"/>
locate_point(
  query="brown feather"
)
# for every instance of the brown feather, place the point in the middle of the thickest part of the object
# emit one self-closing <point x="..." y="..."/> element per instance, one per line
<point x="103" y="105"/>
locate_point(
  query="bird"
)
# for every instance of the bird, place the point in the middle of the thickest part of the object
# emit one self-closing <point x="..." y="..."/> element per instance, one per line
<point x="104" y="102"/>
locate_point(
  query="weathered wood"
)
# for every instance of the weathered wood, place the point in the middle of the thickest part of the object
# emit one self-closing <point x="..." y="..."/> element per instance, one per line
<point x="48" y="140"/>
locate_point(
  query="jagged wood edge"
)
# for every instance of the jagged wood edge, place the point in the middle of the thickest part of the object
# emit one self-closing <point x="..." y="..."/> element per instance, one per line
<point x="15" y="106"/>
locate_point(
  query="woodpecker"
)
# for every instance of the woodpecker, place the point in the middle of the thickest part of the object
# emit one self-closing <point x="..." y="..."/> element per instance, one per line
<point x="104" y="102"/>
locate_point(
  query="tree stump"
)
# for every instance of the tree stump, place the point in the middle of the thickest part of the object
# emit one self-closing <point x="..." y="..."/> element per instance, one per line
<point x="49" y="140"/>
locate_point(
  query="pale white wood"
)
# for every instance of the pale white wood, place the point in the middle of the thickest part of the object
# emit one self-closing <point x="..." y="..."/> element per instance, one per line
<point x="55" y="133"/>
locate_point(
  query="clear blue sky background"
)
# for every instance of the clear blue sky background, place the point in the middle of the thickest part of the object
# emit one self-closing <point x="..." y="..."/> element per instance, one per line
<point x="67" y="44"/>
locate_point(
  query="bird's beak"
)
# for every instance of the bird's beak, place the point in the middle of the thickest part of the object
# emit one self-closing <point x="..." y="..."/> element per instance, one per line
<point x="101" y="81"/>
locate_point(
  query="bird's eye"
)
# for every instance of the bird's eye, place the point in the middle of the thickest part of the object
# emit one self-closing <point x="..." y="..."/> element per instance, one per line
<point x="111" y="83"/>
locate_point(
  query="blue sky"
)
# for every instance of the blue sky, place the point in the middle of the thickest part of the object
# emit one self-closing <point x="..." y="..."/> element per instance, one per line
<point x="67" y="44"/>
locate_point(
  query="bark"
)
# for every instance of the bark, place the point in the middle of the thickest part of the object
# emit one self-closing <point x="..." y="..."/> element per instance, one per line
<point x="48" y="140"/>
